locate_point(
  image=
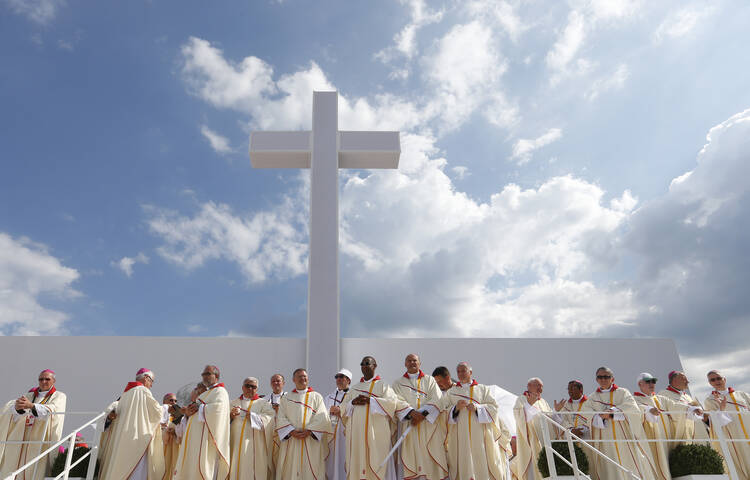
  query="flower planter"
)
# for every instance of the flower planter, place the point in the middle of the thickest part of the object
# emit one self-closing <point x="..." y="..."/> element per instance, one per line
<point x="702" y="477"/>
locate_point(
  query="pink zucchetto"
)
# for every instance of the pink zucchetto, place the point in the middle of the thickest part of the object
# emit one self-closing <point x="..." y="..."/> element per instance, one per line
<point x="47" y="370"/>
<point x="145" y="371"/>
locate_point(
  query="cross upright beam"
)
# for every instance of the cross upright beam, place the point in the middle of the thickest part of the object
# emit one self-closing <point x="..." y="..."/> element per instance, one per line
<point x="324" y="150"/>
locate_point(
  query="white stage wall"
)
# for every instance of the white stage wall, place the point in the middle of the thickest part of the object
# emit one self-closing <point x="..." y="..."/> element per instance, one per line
<point x="92" y="371"/>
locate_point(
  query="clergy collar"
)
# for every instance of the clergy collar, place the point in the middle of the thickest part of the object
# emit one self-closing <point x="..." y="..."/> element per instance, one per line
<point x="309" y="389"/>
<point x="612" y="388"/>
<point x="132" y="385"/>
<point x="675" y="390"/>
<point x="419" y="374"/>
<point x="724" y="392"/>
<point x="582" y="399"/>
<point x="641" y="394"/>
<point x="254" y="397"/>
<point x="473" y="383"/>
<point x="373" y="379"/>
<point x="218" y="384"/>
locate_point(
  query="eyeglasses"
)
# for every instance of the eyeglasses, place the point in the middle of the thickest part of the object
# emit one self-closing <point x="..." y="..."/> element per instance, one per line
<point x="653" y="380"/>
<point x="45" y="379"/>
<point x="365" y="364"/>
<point x="603" y="377"/>
<point x="207" y="373"/>
<point x="250" y="385"/>
<point x="338" y="376"/>
<point x="715" y="379"/>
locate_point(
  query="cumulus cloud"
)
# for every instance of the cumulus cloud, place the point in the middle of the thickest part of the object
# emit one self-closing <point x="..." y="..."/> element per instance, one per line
<point x="126" y="264"/>
<point x="265" y="245"/>
<point x="465" y="66"/>
<point x="219" y="143"/>
<point x="525" y="262"/>
<point x="524" y="148"/>
<point x="28" y="276"/>
<point x="41" y="12"/>
<point x="691" y="246"/>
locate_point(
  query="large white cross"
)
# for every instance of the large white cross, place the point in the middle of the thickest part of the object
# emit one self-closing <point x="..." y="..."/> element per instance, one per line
<point x="324" y="150"/>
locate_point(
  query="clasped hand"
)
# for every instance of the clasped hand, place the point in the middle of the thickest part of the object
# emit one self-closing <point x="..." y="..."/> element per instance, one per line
<point x="23" y="403"/>
<point x="464" y="404"/>
<point x="300" y="433"/>
<point x="190" y="410"/>
<point x="361" y="400"/>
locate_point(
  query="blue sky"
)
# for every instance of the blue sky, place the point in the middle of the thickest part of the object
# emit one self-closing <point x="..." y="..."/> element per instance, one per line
<point x="568" y="169"/>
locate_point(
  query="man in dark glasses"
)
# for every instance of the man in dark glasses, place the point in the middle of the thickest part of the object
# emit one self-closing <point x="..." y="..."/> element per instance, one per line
<point x="619" y="419"/>
<point x="735" y="421"/>
<point x="251" y="417"/>
<point x="656" y="424"/>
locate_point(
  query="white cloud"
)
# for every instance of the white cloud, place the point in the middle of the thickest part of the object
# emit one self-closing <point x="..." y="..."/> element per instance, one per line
<point x="265" y="245"/>
<point x="463" y="70"/>
<point x="524" y="148"/>
<point x="38" y="11"/>
<point x="28" y="276"/>
<point x="405" y="41"/>
<point x="461" y="171"/>
<point x="614" y="81"/>
<point x="219" y="143"/>
<point x="681" y="22"/>
<point x="568" y="43"/>
<point x="501" y="13"/>
<point x="126" y="264"/>
<point x="691" y="247"/>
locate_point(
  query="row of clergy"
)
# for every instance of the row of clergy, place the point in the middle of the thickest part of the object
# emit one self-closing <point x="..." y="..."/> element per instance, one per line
<point x="418" y="427"/>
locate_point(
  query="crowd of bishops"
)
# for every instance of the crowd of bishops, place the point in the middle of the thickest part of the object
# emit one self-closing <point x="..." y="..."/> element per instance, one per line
<point x="418" y="426"/>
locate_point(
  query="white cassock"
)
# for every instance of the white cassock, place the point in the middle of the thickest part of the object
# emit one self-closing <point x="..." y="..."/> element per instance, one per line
<point x="273" y="455"/>
<point x="43" y="425"/>
<point x="302" y="459"/>
<point x="657" y="427"/>
<point x="529" y="436"/>
<point x="687" y="426"/>
<point x="336" y="459"/>
<point x="626" y="425"/>
<point x="571" y="418"/>
<point x="251" y="438"/>
<point x="472" y="445"/>
<point x="204" y="453"/>
<point x="135" y="437"/>
<point x="736" y="426"/>
<point x="422" y="453"/>
<point x="368" y="430"/>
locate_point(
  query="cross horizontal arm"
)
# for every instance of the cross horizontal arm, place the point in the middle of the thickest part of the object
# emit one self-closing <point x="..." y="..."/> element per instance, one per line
<point x="356" y="149"/>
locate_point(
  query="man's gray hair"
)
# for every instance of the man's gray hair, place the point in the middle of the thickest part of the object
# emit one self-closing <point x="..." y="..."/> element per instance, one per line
<point x="606" y="369"/>
<point x="466" y="364"/>
<point x="215" y="370"/>
<point x="251" y="379"/>
<point x="141" y="376"/>
<point x="535" y="380"/>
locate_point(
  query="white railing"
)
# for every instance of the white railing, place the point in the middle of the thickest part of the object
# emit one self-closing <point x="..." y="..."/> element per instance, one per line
<point x="570" y="437"/>
<point x="96" y="424"/>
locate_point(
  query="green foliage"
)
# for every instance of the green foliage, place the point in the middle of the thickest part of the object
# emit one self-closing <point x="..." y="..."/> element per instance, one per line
<point x="561" y="467"/>
<point x="695" y="460"/>
<point x="79" y="470"/>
